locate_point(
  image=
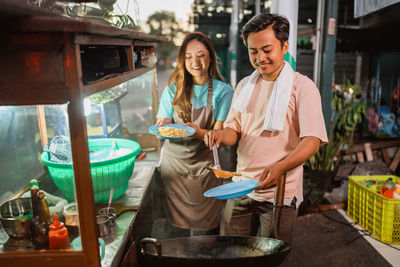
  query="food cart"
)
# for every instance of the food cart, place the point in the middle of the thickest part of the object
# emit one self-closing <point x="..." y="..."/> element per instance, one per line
<point x="51" y="67"/>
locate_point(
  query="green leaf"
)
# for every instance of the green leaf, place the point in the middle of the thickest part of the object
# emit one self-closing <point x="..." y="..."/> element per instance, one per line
<point x="356" y="117"/>
<point x="348" y="128"/>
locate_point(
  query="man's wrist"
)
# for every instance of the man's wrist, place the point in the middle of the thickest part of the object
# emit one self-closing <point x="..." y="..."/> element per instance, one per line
<point x="201" y="133"/>
<point x="282" y="166"/>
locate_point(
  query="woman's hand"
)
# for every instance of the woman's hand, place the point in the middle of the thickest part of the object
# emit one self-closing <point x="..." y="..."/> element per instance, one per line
<point x="214" y="136"/>
<point x="162" y="121"/>
<point x="271" y="176"/>
<point x="197" y="129"/>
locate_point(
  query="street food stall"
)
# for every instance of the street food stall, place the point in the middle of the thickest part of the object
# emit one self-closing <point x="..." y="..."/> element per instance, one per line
<point x="69" y="92"/>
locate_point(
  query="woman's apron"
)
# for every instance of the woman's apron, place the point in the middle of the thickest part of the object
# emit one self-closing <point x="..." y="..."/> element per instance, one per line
<point x="185" y="176"/>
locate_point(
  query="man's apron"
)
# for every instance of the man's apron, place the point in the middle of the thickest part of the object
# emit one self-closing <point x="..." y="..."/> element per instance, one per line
<point x="185" y="176"/>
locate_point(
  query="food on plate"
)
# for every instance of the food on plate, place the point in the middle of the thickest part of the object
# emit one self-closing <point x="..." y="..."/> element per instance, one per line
<point x="169" y="131"/>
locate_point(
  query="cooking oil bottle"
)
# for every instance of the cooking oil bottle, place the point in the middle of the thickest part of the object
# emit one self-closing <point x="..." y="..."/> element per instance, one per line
<point x="41" y="223"/>
<point x="34" y="200"/>
<point x="34" y="186"/>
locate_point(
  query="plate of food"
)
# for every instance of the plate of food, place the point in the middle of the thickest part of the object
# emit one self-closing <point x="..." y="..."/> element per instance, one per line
<point x="233" y="189"/>
<point x="172" y="131"/>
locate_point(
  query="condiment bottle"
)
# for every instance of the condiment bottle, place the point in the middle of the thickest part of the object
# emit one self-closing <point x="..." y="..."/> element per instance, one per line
<point x="389" y="183"/>
<point x="41" y="223"/>
<point x="396" y="192"/>
<point x="34" y="182"/>
<point x="58" y="235"/>
<point x="34" y="200"/>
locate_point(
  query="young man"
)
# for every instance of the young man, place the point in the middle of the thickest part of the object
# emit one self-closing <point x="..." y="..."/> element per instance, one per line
<point x="276" y="117"/>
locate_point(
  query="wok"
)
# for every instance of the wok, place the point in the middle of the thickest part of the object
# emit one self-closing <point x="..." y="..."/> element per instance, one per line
<point x="220" y="251"/>
<point x="213" y="251"/>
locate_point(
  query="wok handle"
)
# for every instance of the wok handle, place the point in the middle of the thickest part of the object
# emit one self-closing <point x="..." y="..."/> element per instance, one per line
<point x="278" y="206"/>
<point x="150" y="241"/>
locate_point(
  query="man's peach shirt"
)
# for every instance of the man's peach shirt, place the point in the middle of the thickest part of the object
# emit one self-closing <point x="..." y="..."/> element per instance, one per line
<point x="259" y="148"/>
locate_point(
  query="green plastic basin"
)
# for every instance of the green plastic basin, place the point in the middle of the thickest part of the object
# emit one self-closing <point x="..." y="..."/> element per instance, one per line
<point x="106" y="174"/>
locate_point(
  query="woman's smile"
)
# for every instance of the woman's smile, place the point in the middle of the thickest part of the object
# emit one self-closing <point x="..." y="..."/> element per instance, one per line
<point x="196" y="68"/>
<point x="197" y="61"/>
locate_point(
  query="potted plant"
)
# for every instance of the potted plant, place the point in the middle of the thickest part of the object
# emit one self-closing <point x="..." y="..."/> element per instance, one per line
<point x="348" y="110"/>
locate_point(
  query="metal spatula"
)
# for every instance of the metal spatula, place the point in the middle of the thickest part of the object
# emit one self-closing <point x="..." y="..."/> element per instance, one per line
<point x="216" y="157"/>
<point x="217" y="166"/>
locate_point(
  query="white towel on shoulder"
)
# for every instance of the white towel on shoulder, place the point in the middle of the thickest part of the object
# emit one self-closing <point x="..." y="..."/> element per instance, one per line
<point x="276" y="110"/>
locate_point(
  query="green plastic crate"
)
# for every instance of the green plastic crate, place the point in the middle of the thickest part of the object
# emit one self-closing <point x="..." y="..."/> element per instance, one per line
<point x="105" y="174"/>
<point x="377" y="214"/>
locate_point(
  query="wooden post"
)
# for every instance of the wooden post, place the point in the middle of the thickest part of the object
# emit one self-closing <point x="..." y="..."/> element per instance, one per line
<point x="386" y="157"/>
<point x="360" y="157"/>
<point x="42" y="125"/>
<point x="368" y="152"/>
<point x="154" y="95"/>
<point x="80" y="153"/>
<point x="395" y="161"/>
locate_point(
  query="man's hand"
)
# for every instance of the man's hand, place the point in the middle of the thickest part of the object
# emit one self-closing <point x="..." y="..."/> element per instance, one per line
<point x="214" y="136"/>
<point x="227" y="136"/>
<point x="162" y="121"/>
<point x="305" y="149"/>
<point x="271" y="176"/>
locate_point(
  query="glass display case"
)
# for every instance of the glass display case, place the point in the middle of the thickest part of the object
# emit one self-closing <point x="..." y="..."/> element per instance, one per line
<point x="53" y="98"/>
<point x="103" y="113"/>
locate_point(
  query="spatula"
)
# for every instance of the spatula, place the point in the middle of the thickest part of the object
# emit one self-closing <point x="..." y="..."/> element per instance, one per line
<point x="216" y="157"/>
<point x="217" y="166"/>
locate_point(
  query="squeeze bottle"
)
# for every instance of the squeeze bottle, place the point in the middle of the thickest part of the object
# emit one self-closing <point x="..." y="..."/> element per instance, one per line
<point x="58" y="235"/>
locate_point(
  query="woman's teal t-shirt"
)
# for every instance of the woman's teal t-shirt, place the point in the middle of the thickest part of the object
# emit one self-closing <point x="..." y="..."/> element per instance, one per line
<point x="221" y="99"/>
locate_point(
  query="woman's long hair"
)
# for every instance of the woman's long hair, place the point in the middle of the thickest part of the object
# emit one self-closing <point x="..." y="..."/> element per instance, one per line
<point x="184" y="80"/>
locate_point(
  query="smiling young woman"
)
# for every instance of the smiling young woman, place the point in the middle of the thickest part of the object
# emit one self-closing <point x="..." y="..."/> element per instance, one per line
<point x="195" y="96"/>
<point x="196" y="65"/>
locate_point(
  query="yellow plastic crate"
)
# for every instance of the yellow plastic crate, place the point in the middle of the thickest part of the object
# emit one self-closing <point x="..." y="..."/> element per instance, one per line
<point x="377" y="214"/>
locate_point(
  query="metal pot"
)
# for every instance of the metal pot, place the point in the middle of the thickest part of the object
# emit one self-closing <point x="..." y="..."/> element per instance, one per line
<point x="104" y="224"/>
<point x="14" y="216"/>
<point x="213" y="251"/>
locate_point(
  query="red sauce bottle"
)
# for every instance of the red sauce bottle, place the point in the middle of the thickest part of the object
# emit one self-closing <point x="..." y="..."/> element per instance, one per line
<point x="58" y="235"/>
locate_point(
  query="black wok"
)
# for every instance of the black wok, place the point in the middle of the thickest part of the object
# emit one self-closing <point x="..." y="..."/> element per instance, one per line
<point x="219" y="251"/>
<point x="213" y="251"/>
